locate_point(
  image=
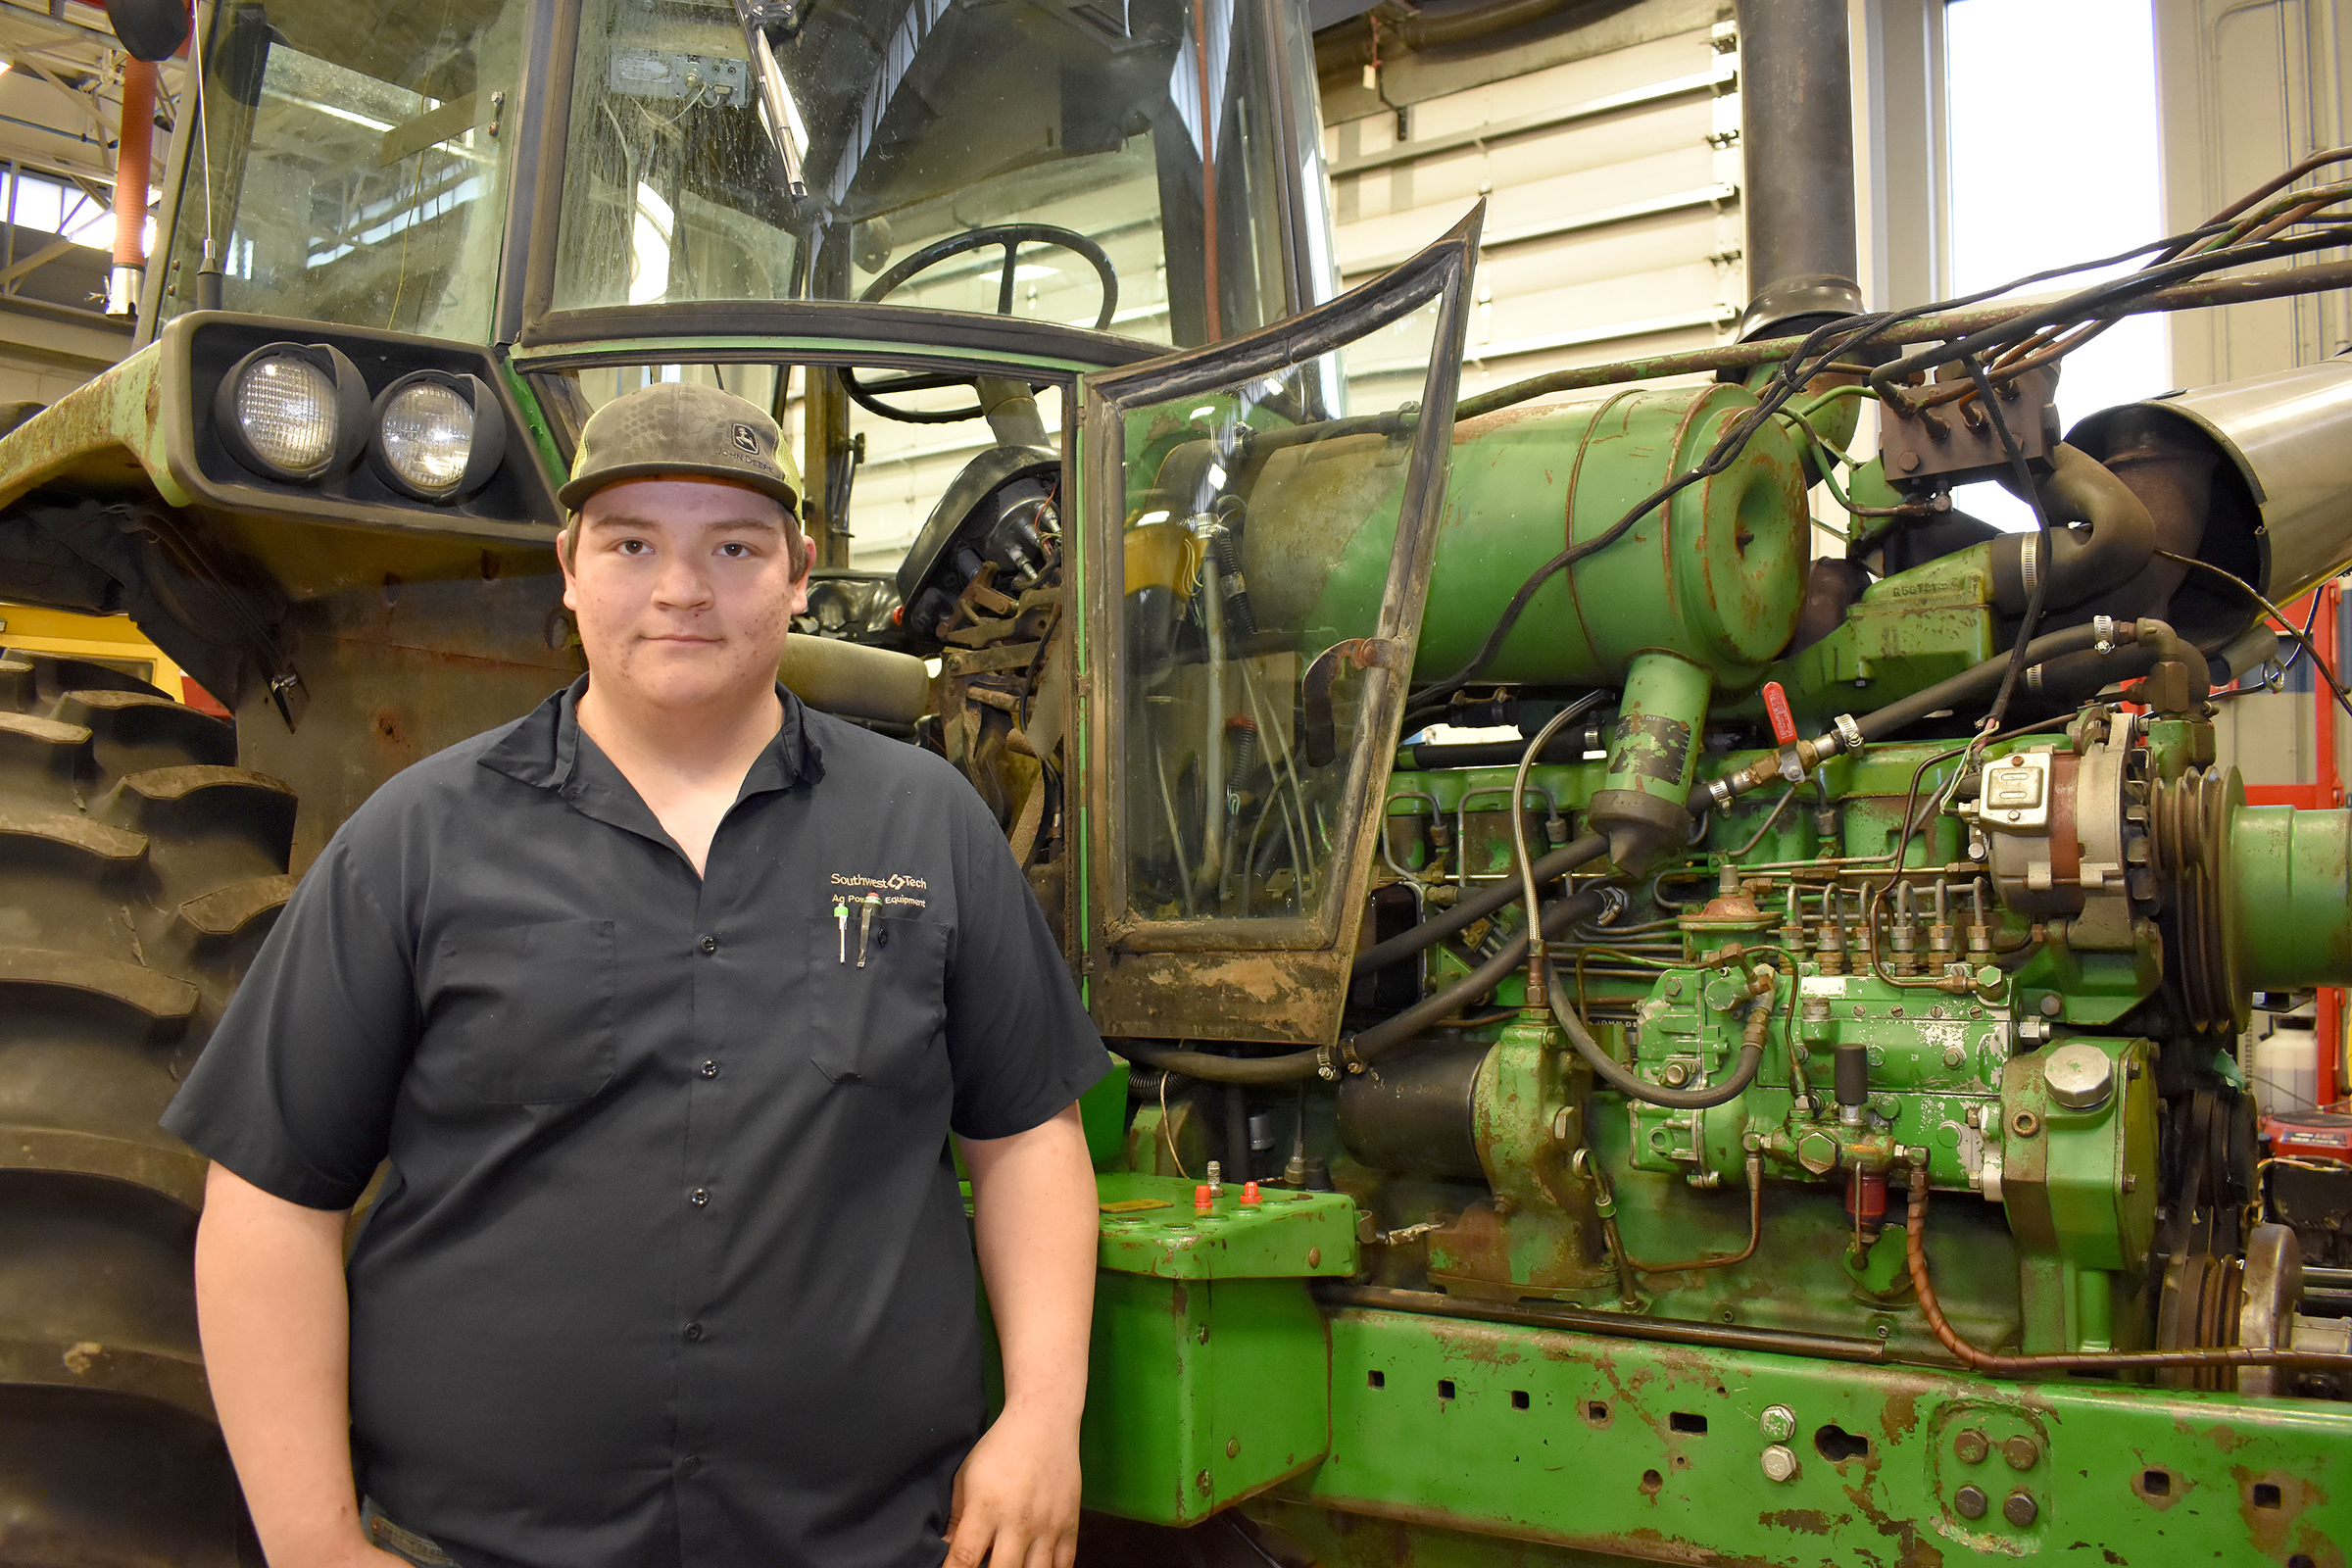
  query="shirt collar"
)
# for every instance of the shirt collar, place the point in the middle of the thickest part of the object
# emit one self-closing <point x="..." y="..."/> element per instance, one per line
<point x="542" y="749"/>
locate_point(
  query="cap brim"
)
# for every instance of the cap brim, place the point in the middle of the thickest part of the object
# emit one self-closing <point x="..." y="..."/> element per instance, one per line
<point x="576" y="491"/>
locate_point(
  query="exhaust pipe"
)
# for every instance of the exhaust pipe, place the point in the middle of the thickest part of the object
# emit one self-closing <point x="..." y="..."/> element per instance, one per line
<point x="134" y="158"/>
<point x="1797" y="130"/>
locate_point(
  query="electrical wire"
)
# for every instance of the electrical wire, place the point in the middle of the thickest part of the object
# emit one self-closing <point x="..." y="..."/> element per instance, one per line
<point x="2301" y="637"/>
<point x="1811" y="358"/>
<point x="1915" y="1258"/>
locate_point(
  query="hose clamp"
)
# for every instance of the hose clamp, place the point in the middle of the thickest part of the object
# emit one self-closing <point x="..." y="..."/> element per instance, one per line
<point x="1719" y="791"/>
<point x="2028" y="562"/>
<point x="1333" y="1059"/>
<point x="2103" y="627"/>
<point x="1849" y="734"/>
<point x="2033" y="677"/>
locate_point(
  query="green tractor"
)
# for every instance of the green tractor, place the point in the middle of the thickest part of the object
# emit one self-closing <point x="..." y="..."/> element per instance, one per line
<point x="1767" y="1096"/>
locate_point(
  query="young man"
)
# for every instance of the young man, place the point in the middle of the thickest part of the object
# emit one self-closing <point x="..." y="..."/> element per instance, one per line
<point x="661" y="1004"/>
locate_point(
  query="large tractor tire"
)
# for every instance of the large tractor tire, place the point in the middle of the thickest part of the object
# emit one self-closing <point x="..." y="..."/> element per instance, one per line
<point x="140" y="870"/>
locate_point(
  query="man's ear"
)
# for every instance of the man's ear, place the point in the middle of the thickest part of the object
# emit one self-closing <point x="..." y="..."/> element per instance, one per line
<point x="799" y="584"/>
<point x="568" y="545"/>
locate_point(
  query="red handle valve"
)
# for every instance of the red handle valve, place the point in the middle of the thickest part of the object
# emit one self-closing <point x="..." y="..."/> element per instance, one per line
<point x="1775" y="708"/>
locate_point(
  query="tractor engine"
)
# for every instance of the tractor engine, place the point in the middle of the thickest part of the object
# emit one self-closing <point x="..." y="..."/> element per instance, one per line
<point x="1883" y="985"/>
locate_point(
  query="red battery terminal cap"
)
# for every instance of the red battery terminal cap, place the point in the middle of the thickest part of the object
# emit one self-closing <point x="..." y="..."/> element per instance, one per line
<point x="1201" y="1199"/>
<point x="1248" y="1195"/>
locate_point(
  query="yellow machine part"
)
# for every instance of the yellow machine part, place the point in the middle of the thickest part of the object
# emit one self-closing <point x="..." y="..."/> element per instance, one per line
<point x="109" y="640"/>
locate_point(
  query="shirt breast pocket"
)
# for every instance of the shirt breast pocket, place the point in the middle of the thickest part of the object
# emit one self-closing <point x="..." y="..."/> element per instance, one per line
<point x="528" y="1010"/>
<point x="876" y="1023"/>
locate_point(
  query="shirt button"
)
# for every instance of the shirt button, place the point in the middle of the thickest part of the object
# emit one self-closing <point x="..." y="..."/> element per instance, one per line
<point x="694" y="1332"/>
<point x="710" y="944"/>
<point x="702" y="1196"/>
<point x="690" y="1464"/>
<point x="709" y="1069"/>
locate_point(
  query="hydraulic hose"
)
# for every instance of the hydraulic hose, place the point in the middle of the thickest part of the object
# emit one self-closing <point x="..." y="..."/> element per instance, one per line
<point x="1915" y="1257"/>
<point x="2119" y="545"/>
<point x="1623" y="1079"/>
<point x="1478" y="906"/>
<point x="1975" y="681"/>
<point x="1558" y="916"/>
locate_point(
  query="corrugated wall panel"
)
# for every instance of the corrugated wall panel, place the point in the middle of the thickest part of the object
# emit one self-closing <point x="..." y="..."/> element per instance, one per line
<point x="1613" y="220"/>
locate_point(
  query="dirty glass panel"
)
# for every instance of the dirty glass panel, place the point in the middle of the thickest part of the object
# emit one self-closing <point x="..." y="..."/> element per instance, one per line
<point x="1258" y="546"/>
<point x="914" y="122"/>
<point x="359" y="164"/>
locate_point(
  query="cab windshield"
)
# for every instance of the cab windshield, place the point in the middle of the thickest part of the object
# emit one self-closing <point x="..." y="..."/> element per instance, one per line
<point x="922" y="131"/>
<point x="359" y="157"/>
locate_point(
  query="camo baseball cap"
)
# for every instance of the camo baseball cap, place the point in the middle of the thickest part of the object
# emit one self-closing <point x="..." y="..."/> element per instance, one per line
<point x="679" y="428"/>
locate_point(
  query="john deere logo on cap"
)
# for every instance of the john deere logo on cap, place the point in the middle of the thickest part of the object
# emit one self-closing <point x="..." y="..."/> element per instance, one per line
<point x="747" y="438"/>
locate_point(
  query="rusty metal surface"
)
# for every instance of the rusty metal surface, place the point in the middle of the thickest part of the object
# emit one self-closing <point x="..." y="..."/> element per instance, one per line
<point x="1285" y="998"/>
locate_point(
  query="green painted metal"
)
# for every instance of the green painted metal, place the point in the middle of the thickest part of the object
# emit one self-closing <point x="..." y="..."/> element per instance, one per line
<point x="1207" y="1378"/>
<point x="2080" y="1187"/>
<point x="1905" y="633"/>
<point x="107" y="435"/>
<point x="1151" y="1226"/>
<point x="2292" y="882"/>
<point x="1718" y="580"/>
<point x="1540" y="1236"/>
<point x="1462" y="1443"/>
<point x="1102" y="1113"/>
<point x="1654" y="755"/>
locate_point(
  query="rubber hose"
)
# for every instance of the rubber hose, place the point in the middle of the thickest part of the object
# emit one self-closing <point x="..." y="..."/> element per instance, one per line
<point x="1430" y="932"/>
<point x="1558" y="916"/>
<point x="1625" y="1082"/>
<point x="2119" y="545"/>
<point x="1976" y="681"/>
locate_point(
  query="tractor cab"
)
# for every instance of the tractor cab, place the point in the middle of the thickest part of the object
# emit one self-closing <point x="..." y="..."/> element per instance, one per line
<point x="838" y="212"/>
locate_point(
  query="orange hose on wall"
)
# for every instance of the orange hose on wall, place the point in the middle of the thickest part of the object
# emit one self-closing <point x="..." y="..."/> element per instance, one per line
<point x="133" y="159"/>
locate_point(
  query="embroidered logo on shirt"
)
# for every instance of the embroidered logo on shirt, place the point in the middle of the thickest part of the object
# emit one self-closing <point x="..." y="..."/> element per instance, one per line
<point x="897" y="888"/>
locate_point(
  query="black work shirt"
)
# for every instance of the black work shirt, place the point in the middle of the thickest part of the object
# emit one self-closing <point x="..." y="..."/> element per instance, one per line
<point x="669" y="1265"/>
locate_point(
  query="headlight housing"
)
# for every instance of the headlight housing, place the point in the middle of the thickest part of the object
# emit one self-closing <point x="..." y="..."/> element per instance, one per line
<point x="438" y="436"/>
<point x="292" y="412"/>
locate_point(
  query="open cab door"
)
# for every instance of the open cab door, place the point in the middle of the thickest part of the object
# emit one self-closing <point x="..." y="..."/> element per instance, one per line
<point x="1260" y="516"/>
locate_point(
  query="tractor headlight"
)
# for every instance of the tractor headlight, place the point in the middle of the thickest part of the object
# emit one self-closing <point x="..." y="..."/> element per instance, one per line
<point x="428" y="435"/>
<point x="438" y="436"/>
<point x="292" y="411"/>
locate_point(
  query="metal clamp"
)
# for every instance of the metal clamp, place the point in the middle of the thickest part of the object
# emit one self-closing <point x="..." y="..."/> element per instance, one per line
<point x="1849" y="734"/>
<point x="2103" y="627"/>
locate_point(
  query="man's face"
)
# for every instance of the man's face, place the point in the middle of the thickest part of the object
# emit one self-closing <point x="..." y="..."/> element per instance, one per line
<point x="683" y="589"/>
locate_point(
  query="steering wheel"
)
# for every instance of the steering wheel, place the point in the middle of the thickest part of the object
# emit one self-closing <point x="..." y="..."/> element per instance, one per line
<point x="1012" y="236"/>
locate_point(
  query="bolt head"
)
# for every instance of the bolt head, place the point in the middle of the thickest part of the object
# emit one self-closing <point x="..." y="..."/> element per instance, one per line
<point x="1955" y="1055"/>
<point x="1780" y="1463"/>
<point x="2020" y="1509"/>
<point x="2080" y="1077"/>
<point x="2021" y="1451"/>
<point x="1969" y="1447"/>
<point x="1970" y="1503"/>
<point x="1779" y="1423"/>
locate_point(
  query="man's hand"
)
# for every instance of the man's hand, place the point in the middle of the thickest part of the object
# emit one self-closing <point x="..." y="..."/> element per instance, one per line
<point x="1016" y="1498"/>
<point x="1034" y="1226"/>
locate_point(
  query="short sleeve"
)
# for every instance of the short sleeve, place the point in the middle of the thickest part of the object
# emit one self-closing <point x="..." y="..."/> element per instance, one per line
<point x="295" y="1091"/>
<point x="1019" y="1041"/>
